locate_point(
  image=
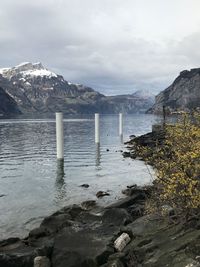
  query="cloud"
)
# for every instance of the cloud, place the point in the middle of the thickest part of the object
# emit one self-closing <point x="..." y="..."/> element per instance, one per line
<point x="112" y="45"/>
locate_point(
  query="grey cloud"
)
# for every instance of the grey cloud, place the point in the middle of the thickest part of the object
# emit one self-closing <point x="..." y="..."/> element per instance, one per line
<point x="113" y="46"/>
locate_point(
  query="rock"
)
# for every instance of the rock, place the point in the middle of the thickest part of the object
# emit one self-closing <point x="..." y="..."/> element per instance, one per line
<point x="102" y="194"/>
<point x="42" y="261"/>
<point x="158" y="244"/>
<point x="136" y="210"/>
<point x="132" y="186"/>
<point x="115" y="263"/>
<point x="135" y="190"/>
<point x="55" y="222"/>
<point x="74" y="237"/>
<point x="38" y="232"/>
<point x="2" y="195"/>
<point x="116" y="216"/>
<point x="43" y="246"/>
<point x="126" y="154"/>
<point x="128" y="201"/>
<point x="117" y="255"/>
<point x="121" y="242"/>
<point x="85" y="185"/>
<point x="151" y="139"/>
<point x="14" y="253"/>
<point x="89" y="204"/>
<point x="128" y="192"/>
<point x="80" y="248"/>
<point x="133" y="154"/>
<point x="107" y="150"/>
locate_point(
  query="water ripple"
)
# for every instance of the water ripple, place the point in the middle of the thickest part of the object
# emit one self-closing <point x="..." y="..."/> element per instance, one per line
<point x="34" y="184"/>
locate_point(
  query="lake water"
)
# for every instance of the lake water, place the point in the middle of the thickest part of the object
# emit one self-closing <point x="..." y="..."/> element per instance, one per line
<point x="33" y="185"/>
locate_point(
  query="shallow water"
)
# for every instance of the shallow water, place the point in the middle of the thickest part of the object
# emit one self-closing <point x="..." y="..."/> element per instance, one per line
<point x="33" y="185"/>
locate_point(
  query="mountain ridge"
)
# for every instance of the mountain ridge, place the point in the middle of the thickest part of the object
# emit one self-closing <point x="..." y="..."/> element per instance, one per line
<point x="35" y="89"/>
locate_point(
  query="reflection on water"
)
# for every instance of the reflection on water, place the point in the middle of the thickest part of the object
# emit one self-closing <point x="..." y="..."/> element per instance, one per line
<point x="35" y="184"/>
<point x="60" y="181"/>
<point x="60" y="170"/>
<point x="98" y="155"/>
<point x="121" y="138"/>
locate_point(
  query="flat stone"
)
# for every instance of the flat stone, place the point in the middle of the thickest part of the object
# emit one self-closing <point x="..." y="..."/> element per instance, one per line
<point x="55" y="222"/>
<point x="83" y="248"/>
<point x="128" y="201"/>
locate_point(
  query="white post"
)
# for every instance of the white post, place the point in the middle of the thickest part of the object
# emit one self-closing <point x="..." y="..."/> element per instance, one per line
<point x="120" y="124"/>
<point x="59" y="136"/>
<point x="97" y="136"/>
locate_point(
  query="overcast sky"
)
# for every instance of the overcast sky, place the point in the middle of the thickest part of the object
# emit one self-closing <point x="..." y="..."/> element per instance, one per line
<point x="115" y="46"/>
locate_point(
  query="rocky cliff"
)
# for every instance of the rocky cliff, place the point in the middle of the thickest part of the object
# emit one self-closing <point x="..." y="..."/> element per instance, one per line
<point x="38" y="90"/>
<point x="7" y="105"/>
<point x="182" y="94"/>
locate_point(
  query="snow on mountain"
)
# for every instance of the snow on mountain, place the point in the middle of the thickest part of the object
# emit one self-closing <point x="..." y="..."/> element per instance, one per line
<point x="27" y="69"/>
<point x="22" y="64"/>
<point x="2" y="70"/>
<point x="41" y="72"/>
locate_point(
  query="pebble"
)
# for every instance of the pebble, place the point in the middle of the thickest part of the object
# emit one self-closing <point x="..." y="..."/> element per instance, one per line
<point x="85" y="185"/>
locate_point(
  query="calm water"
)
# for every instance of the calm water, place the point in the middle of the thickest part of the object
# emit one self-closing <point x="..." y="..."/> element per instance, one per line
<point x="31" y="182"/>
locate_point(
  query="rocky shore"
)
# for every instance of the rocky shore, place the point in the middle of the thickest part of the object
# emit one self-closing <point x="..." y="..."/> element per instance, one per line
<point x="118" y="235"/>
<point x="84" y="236"/>
<point x="78" y="235"/>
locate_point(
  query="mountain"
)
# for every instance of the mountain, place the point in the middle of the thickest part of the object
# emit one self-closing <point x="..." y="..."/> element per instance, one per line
<point x="145" y="94"/>
<point x="182" y="94"/>
<point x="137" y="102"/>
<point x="36" y="89"/>
<point x="7" y="105"/>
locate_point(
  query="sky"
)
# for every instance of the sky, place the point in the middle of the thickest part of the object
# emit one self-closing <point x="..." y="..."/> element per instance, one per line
<point x="114" y="46"/>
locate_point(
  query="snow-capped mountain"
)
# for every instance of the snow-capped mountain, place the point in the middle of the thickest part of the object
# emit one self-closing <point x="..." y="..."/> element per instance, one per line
<point x="36" y="89"/>
<point x="26" y="70"/>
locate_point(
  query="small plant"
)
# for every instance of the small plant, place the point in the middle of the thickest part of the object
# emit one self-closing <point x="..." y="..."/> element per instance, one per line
<point x="177" y="164"/>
